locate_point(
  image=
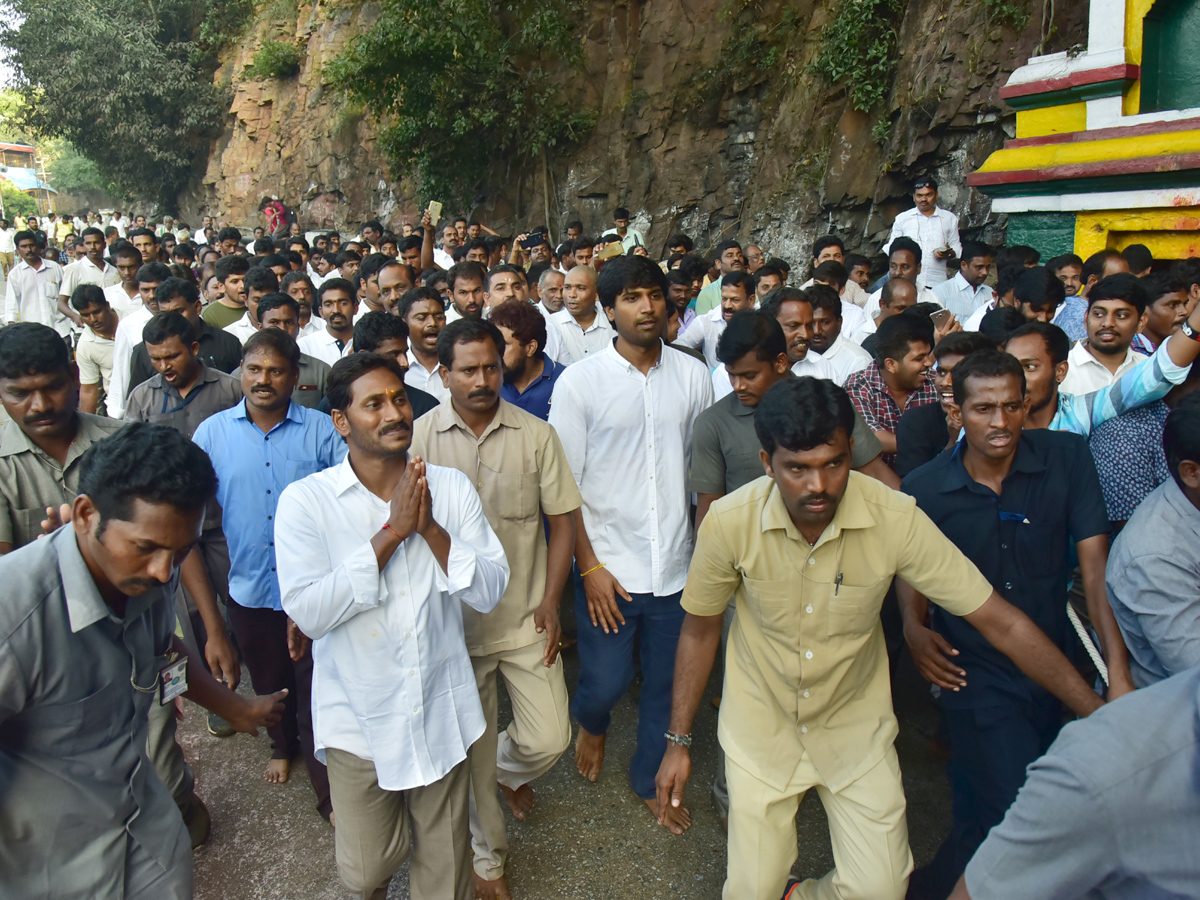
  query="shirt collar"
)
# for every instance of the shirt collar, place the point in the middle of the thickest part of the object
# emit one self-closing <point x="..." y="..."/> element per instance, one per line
<point x="1028" y="461"/>
<point x="293" y="413"/>
<point x="447" y="417"/>
<point x="207" y="376"/>
<point x="346" y="477"/>
<point x="961" y="283"/>
<point x="85" y="606"/>
<point x="852" y="512"/>
<point x="14" y="440"/>
<point x="625" y="364"/>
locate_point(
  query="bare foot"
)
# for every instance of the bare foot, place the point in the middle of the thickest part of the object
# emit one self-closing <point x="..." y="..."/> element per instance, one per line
<point x="332" y="820"/>
<point x="490" y="890"/>
<point x="277" y="771"/>
<point x="678" y="818"/>
<point x="519" y="801"/>
<point x="589" y="754"/>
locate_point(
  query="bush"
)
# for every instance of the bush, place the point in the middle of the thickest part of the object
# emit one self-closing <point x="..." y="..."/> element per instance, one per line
<point x="274" y="59"/>
<point x="859" y="47"/>
<point x="16" y="203"/>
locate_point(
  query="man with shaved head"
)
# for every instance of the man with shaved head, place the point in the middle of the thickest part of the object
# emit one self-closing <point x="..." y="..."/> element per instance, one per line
<point x="582" y="325"/>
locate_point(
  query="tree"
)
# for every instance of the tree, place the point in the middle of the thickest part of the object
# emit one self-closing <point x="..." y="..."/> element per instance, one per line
<point x="127" y="82"/>
<point x="460" y="84"/>
<point x="16" y="203"/>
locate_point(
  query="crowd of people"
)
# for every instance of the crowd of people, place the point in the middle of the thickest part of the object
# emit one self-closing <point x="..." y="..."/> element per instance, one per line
<point x="371" y="470"/>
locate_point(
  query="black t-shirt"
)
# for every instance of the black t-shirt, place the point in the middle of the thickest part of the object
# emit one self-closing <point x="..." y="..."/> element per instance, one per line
<point x="921" y="435"/>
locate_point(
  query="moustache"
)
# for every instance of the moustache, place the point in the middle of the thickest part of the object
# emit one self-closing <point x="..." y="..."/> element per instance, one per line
<point x="397" y="428"/>
<point x="482" y="392"/>
<point x="816" y="498"/>
<point x="39" y="420"/>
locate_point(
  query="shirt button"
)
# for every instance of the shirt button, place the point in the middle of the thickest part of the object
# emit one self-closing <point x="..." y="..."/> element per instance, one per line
<point x="808" y="609"/>
<point x="806" y="693"/>
<point x="408" y="635"/>
<point x="1004" y="546"/>
<point x="415" y="709"/>
<point x="272" y="568"/>
<point x="268" y="464"/>
<point x="268" y="490"/>
<point x="808" y="654"/>
<point x="412" y="671"/>
<point x="804" y="729"/>
<point x="1008" y="585"/>
<point x="811" y="561"/>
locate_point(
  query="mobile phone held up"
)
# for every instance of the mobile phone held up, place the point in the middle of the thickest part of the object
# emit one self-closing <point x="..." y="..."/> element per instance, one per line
<point x="941" y="318"/>
<point x="435" y="212"/>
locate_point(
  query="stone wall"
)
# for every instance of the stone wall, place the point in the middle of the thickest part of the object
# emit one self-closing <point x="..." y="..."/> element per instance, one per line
<point x="778" y="159"/>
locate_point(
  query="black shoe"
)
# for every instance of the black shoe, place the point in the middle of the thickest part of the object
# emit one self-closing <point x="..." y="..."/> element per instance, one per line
<point x="218" y="727"/>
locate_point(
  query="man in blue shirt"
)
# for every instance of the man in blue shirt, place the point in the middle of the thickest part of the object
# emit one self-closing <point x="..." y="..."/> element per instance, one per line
<point x="1012" y="501"/>
<point x="258" y="448"/>
<point x="529" y="375"/>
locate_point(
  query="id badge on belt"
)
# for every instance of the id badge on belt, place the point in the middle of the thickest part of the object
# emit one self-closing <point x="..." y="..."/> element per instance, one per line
<point x="172" y="679"/>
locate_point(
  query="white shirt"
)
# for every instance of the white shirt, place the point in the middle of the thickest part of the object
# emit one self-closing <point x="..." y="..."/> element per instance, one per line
<point x="844" y="358"/>
<point x="31" y="295"/>
<point x="554" y="341"/>
<point x="442" y="259"/>
<point x="931" y="233"/>
<point x="865" y="329"/>
<point x="1085" y="373"/>
<point x="120" y="301"/>
<point x="851" y="293"/>
<point x="924" y="295"/>
<point x="703" y="333"/>
<point x="242" y="329"/>
<point x="128" y="336"/>
<point x="976" y="318"/>
<point x="812" y="365"/>
<point x="957" y="295"/>
<point x="8" y="240"/>
<point x="424" y="380"/>
<point x="628" y="439"/>
<point x="577" y="343"/>
<point x="392" y="681"/>
<point x="323" y="346"/>
<point x="84" y="271"/>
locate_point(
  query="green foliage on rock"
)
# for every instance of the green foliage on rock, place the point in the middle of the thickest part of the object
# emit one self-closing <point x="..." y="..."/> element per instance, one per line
<point x="127" y="82"/>
<point x="859" y="48"/>
<point x="458" y="85"/>
<point x="274" y="59"/>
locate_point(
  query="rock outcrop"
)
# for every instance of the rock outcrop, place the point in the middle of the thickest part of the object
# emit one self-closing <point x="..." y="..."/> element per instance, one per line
<point x="778" y="158"/>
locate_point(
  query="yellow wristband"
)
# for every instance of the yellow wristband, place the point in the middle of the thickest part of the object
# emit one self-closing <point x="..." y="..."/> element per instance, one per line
<point x="591" y="570"/>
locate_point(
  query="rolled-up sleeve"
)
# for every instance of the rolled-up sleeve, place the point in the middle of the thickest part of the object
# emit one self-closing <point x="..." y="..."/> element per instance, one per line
<point x="318" y="595"/>
<point x="931" y="563"/>
<point x="713" y="576"/>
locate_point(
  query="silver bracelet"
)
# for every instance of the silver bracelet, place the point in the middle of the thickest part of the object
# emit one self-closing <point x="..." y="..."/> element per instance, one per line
<point x="683" y="740"/>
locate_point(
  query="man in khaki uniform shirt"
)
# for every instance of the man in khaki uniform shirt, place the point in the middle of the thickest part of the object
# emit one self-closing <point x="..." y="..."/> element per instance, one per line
<point x="517" y="464"/>
<point x="809" y="552"/>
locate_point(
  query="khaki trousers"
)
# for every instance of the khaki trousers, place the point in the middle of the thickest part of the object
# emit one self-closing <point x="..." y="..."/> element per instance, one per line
<point x="866" y="825"/>
<point x="539" y="734"/>
<point x="377" y="828"/>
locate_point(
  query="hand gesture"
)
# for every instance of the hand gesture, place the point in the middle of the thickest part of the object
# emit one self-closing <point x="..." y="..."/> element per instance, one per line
<point x="405" y="505"/>
<point x="297" y="641"/>
<point x="545" y="619"/>
<point x="55" y="519"/>
<point x="672" y="777"/>
<point x="258" y="712"/>
<point x="930" y="651"/>
<point x="427" y="221"/>
<point x="951" y="325"/>
<point x="424" y="497"/>
<point x="601" y="588"/>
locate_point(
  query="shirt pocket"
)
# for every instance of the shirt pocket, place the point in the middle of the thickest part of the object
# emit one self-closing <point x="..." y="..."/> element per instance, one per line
<point x="75" y="728"/>
<point x="776" y="607"/>
<point x="1040" y="548"/>
<point x="27" y="524"/>
<point x="854" y="609"/>
<point x="512" y="495"/>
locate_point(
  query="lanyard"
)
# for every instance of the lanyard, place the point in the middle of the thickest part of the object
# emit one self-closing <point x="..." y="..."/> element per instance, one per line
<point x="190" y="397"/>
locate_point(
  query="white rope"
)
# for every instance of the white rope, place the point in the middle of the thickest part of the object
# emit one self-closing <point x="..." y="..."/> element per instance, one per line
<point x="1092" y="650"/>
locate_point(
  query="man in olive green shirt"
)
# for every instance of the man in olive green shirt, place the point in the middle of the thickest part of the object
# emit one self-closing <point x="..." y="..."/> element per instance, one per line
<point x="809" y="551"/>
<point x="517" y="464"/>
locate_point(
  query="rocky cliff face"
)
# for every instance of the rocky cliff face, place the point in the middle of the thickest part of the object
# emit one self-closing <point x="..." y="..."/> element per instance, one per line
<point x="776" y="156"/>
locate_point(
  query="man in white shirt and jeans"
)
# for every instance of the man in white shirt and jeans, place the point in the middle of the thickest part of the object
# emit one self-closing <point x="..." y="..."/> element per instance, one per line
<point x="934" y="229"/>
<point x="624" y="416"/>
<point x="8" y="246"/>
<point x="31" y="291"/>
<point x="375" y="558"/>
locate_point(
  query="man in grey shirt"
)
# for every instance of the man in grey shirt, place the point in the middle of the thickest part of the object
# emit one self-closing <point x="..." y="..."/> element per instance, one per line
<point x="1153" y="574"/>
<point x="1109" y="813"/>
<point x="86" y="646"/>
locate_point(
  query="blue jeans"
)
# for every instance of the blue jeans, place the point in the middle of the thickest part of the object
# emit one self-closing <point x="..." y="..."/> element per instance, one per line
<point x="606" y="670"/>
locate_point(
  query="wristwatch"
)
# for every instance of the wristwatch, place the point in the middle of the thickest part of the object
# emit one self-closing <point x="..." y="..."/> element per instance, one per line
<point x="683" y="740"/>
<point x="1189" y="331"/>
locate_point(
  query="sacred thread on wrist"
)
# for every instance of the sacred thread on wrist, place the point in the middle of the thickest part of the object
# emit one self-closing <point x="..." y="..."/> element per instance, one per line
<point x="592" y="569"/>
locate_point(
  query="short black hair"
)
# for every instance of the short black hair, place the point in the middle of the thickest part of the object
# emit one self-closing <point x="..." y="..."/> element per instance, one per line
<point x="151" y="463"/>
<point x="802" y="413"/>
<point x="468" y="269"/>
<point x="292" y="277"/>
<point x="231" y="265"/>
<point x="751" y="331"/>
<point x="776" y="297"/>
<point x="276" y="301"/>
<point x="679" y="239"/>
<point x="1121" y="286"/>
<point x="1058" y="345"/>
<point x="376" y="327"/>
<point x="260" y="278"/>
<point x="177" y="287"/>
<point x="273" y="340"/>
<point x="87" y="294"/>
<point x="337" y="284"/>
<point x="1006" y="279"/>
<point x="854" y="260"/>
<point x="348" y="369"/>
<point x="263" y="245"/>
<point x="501" y="269"/>
<point x="1162" y="282"/>
<point x="1138" y="256"/>
<point x="620" y="213"/>
<point x="1058" y="263"/>
<point x="986" y="364"/>
<point x="1181" y="435"/>
<point x="829" y="240"/>
<point x="1187" y="271"/>
<point x="167" y="325"/>
<point x="897" y="334"/>
<point x="416" y="295"/>
<point x="766" y="271"/>
<point x="831" y="270"/>
<point x="1017" y="255"/>
<point x="822" y="296"/>
<point x="1040" y="288"/>
<point x="90" y="231"/>
<point x="905" y="243"/>
<point x="997" y="324"/>
<point x="374" y="224"/>
<point x="626" y="272"/>
<point x="229" y="233"/>
<point x="22" y="236"/>
<point x="467" y="331"/>
<point x="975" y="250"/>
<point x="123" y="248"/>
<point x="153" y="273"/>
<point x="744" y="280"/>
<point x="723" y="246"/>
<point x="962" y="343"/>
<point x="142" y="232"/>
<point x="28" y="348"/>
<point x="371" y="264"/>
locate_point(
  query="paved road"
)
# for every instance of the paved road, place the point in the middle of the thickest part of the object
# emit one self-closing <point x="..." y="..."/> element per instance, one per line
<point x="581" y="841"/>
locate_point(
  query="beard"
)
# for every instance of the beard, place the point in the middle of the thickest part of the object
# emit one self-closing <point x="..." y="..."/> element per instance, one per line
<point x="516" y="372"/>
